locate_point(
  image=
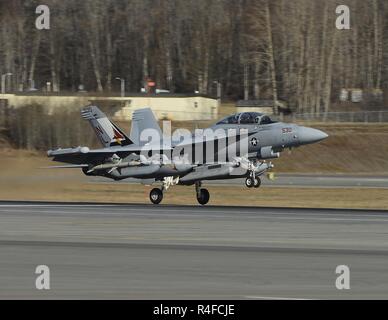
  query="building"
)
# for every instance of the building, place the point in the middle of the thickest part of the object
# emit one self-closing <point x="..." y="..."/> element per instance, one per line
<point x="178" y="107"/>
<point x="262" y="106"/>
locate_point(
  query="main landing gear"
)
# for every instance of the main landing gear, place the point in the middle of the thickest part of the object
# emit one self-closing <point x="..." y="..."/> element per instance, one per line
<point x="156" y="196"/>
<point x="253" y="182"/>
<point x="203" y="195"/>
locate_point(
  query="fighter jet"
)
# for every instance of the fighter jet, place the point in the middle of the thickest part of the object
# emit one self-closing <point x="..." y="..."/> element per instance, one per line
<point x="238" y="146"/>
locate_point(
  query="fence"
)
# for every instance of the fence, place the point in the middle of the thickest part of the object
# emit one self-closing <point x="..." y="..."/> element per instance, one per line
<point x="358" y="116"/>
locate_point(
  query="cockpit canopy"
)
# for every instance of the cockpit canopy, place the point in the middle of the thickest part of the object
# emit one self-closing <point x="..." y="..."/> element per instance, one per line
<point x="247" y="118"/>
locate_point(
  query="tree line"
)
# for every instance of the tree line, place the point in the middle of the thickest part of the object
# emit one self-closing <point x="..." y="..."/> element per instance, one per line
<point x="258" y="49"/>
<point x="32" y="128"/>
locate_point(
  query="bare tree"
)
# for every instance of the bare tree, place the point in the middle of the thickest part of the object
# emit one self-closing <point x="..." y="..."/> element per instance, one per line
<point x="279" y="49"/>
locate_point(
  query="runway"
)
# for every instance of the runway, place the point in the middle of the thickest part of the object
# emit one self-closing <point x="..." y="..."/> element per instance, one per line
<point x="189" y="252"/>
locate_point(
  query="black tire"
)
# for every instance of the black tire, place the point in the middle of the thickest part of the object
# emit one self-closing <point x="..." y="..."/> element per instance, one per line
<point x="204" y="197"/>
<point x="249" y="182"/>
<point x="257" y="183"/>
<point x="156" y="196"/>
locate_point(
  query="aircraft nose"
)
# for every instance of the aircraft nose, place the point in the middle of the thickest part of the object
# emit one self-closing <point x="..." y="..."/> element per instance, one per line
<point x="310" y="135"/>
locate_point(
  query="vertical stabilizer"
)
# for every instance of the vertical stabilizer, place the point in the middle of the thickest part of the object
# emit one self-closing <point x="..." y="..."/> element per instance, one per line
<point x="143" y="119"/>
<point x="107" y="132"/>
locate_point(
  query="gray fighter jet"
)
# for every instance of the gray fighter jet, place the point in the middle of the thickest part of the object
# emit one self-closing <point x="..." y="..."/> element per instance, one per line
<point x="235" y="147"/>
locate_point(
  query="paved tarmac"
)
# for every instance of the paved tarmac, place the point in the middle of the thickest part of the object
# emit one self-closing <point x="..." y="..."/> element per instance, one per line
<point x="190" y="252"/>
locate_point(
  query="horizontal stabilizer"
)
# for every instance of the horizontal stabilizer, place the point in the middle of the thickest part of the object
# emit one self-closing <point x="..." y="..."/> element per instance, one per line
<point x="62" y="152"/>
<point x="77" y="166"/>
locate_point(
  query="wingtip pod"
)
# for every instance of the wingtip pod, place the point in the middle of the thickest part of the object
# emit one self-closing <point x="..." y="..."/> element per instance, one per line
<point x="57" y="152"/>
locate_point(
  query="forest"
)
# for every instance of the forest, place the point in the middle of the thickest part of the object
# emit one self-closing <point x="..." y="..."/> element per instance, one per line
<point x="257" y="49"/>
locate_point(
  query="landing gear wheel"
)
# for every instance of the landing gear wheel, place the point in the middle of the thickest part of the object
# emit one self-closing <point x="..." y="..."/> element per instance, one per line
<point x="203" y="197"/>
<point x="156" y="196"/>
<point x="257" y="183"/>
<point x="249" y="182"/>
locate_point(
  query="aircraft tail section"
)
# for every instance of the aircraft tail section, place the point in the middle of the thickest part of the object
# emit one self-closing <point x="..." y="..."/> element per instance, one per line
<point x="143" y="119"/>
<point x="107" y="132"/>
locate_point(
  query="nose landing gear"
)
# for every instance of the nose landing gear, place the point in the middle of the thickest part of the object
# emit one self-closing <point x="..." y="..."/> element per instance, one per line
<point x="253" y="182"/>
<point x="249" y="182"/>
<point x="257" y="183"/>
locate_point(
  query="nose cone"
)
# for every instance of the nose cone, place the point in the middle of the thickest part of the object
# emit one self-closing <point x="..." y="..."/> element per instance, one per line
<point x="310" y="135"/>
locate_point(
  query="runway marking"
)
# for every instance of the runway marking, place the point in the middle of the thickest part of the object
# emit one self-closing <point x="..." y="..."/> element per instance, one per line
<point x="112" y="214"/>
<point x="153" y="210"/>
<point x="213" y="209"/>
<point x="174" y="212"/>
